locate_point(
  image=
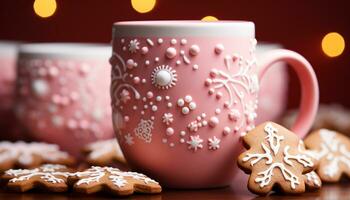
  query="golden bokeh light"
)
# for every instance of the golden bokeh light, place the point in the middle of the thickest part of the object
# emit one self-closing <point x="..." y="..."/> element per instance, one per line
<point x="45" y="8"/>
<point x="143" y="6"/>
<point x="333" y="44"/>
<point x="210" y="19"/>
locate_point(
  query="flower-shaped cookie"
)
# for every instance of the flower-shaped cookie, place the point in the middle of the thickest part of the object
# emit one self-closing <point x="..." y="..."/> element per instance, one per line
<point x="113" y="180"/>
<point x="28" y="155"/>
<point x="332" y="150"/>
<point x="50" y="177"/>
<point x="275" y="159"/>
<point x="104" y="152"/>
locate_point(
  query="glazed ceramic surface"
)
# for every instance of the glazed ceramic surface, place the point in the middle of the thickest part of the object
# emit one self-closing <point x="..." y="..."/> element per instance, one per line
<point x="184" y="92"/>
<point x="8" y="58"/>
<point x="273" y="87"/>
<point x="62" y="93"/>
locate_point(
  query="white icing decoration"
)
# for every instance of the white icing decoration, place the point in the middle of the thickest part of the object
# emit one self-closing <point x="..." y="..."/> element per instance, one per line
<point x="104" y="147"/>
<point x="129" y="139"/>
<point x="332" y="149"/>
<point x="185" y="110"/>
<point x="187" y="104"/>
<point x="40" y="87"/>
<point x="134" y="45"/>
<point x="195" y="143"/>
<point x="238" y="86"/>
<point x="214" y="143"/>
<point x="168" y="118"/>
<point x="154" y="108"/>
<point x="125" y="96"/>
<point x="144" y="50"/>
<point x="271" y="151"/>
<point x="150" y="42"/>
<point x="180" y="102"/>
<point x="173" y="41"/>
<point x="227" y="130"/>
<point x="116" y="177"/>
<point x="164" y="77"/>
<point x="313" y="178"/>
<point x="169" y="131"/>
<point x="144" y="130"/>
<point x="118" y="81"/>
<point x="49" y="173"/>
<point x="170" y="52"/>
<point x="219" y="48"/>
<point x="214" y="121"/>
<point x="194" y="50"/>
<point x="24" y="152"/>
<point x="273" y="139"/>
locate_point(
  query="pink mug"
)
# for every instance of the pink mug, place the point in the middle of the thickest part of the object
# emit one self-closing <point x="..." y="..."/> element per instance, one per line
<point x="62" y="93"/>
<point x="184" y="92"/>
<point x="273" y="92"/>
<point x="8" y="59"/>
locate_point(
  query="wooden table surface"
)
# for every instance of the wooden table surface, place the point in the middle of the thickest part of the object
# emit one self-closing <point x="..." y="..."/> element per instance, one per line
<point x="329" y="191"/>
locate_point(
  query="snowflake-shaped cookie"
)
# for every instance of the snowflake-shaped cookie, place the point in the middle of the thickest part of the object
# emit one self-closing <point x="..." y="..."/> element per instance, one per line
<point x="332" y="150"/>
<point x="49" y="176"/>
<point x="275" y="157"/>
<point x="104" y="152"/>
<point x="28" y="155"/>
<point x="113" y="180"/>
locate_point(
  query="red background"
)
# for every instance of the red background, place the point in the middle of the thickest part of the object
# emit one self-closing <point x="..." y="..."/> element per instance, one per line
<point x="298" y="25"/>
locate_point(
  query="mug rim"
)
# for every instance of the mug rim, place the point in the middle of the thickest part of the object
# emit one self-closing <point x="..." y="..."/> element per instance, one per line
<point x="164" y="28"/>
<point x="59" y="50"/>
<point x="8" y="48"/>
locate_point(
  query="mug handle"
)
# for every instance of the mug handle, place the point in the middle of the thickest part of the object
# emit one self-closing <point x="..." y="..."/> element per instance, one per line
<point x="309" y="86"/>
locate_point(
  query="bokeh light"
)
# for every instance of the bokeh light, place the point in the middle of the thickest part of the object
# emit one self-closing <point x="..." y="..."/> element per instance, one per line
<point x="333" y="44"/>
<point x="45" y="8"/>
<point x="210" y="19"/>
<point x="143" y="6"/>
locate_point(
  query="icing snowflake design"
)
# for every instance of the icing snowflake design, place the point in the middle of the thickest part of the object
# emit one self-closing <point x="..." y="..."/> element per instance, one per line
<point x="144" y="130"/>
<point x="238" y="87"/>
<point x="129" y="139"/>
<point x="195" y="143"/>
<point x="164" y="77"/>
<point x="125" y="96"/>
<point x="334" y="152"/>
<point x="214" y="143"/>
<point x="99" y="175"/>
<point x="46" y="173"/>
<point x="277" y="156"/>
<point x="21" y="153"/>
<point x="134" y="45"/>
<point x="120" y="89"/>
<point x="168" y="118"/>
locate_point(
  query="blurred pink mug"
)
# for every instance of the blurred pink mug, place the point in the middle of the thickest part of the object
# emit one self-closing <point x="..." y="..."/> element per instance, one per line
<point x="184" y="92"/>
<point x="62" y="93"/>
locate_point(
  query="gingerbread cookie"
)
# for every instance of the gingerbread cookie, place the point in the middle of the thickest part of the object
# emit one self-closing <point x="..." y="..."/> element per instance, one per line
<point x="28" y="155"/>
<point x="312" y="181"/>
<point x="275" y="160"/>
<point x="332" y="150"/>
<point x="113" y="180"/>
<point x="49" y="176"/>
<point x="104" y="152"/>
